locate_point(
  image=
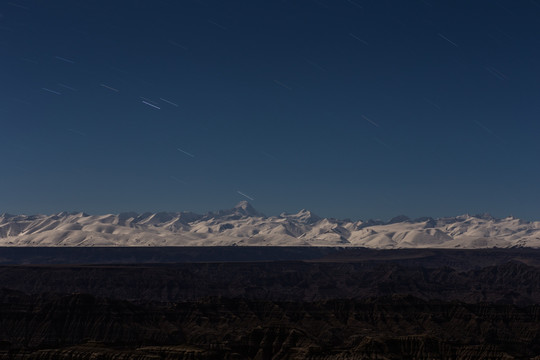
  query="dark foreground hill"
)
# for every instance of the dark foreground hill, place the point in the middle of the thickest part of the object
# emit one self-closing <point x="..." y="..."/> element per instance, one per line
<point x="344" y="305"/>
<point x="508" y="283"/>
<point x="459" y="259"/>
<point x="400" y="327"/>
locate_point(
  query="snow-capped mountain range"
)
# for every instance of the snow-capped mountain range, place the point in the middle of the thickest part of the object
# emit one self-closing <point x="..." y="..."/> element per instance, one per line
<point x="244" y="226"/>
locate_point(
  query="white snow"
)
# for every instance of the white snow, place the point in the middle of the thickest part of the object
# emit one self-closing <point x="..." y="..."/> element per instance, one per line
<point x="244" y="226"/>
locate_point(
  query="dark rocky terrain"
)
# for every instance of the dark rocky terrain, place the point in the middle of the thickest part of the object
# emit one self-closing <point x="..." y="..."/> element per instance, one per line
<point x="75" y="326"/>
<point x="508" y="283"/>
<point x="344" y="305"/>
<point x="460" y="259"/>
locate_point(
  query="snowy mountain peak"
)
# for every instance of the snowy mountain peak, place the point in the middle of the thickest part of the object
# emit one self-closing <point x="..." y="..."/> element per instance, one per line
<point x="307" y="216"/>
<point x="303" y="216"/>
<point x="242" y="209"/>
<point x="398" y="219"/>
<point x="243" y="225"/>
<point x="485" y="216"/>
<point x="245" y="208"/>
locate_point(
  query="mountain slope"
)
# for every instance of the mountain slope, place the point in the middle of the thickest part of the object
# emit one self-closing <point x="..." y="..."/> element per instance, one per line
<point x="244" y="226"/>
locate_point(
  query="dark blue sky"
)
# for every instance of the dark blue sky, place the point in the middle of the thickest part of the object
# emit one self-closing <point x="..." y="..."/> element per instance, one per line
<point x="358" y="109"/>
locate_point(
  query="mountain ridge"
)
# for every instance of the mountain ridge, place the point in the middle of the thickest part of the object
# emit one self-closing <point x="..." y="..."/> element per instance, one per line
<point x="242" y="225"/>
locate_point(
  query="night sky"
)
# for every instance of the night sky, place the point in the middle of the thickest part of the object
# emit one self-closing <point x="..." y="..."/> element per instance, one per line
<point x="352" y="109"/>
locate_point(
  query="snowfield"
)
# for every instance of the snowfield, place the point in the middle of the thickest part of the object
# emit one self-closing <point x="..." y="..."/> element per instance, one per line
<point x="244" y="226"/>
